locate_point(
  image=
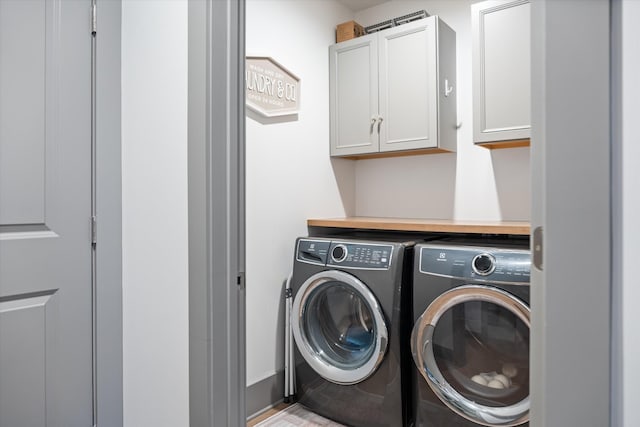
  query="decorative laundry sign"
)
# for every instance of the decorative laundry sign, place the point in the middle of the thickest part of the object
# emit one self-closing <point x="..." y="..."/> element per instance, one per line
<point x="271" y="89"/>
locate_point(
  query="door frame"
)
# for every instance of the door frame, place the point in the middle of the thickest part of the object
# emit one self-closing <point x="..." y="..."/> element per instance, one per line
<point x="625" y="209"/>
<point x="108" y="198"/>
<point x="216" y="213"/>
<point x="571" y="205"/>
<point x="570" y="202"/>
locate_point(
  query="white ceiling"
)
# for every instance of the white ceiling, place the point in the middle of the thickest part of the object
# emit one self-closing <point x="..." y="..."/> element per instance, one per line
<point x="357" y="5"/>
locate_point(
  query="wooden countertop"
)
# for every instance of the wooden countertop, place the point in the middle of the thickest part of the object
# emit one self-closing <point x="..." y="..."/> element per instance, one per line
<point x="424" y="225"/>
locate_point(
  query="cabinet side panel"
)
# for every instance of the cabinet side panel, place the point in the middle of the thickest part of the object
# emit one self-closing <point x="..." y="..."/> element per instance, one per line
<point x="447" y="88"/>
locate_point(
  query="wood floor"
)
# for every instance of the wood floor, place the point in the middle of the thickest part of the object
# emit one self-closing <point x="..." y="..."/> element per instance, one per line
<point x="266" y="414"/>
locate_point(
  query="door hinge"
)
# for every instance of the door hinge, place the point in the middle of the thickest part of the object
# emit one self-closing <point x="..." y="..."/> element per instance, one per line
<point x="94" y="231"/>
<point x="94" y="19"/>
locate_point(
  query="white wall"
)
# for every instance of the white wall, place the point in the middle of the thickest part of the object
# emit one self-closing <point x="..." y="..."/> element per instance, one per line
<point x="154" y="217"/>
<point x="290" y="176"/>
<point x="475" y="183"/>
<point x="630" y="210"/>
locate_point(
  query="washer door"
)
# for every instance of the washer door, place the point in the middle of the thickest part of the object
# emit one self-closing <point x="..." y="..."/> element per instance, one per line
<point x="471" y="345"/>
<point x="339" y="327"/>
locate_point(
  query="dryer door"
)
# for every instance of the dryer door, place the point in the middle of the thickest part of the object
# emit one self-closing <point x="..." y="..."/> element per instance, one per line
<point x="471" y="345"/>
<point x="339" y="327"/>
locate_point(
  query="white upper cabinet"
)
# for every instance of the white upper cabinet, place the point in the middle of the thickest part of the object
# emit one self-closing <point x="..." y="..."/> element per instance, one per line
<point x="501" y="72"/>
<point x="394" y="91"/>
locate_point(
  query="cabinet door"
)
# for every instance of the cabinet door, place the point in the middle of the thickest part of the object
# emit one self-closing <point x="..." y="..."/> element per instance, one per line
<point x="501" y="70"/>
<point x="353" y="96"/>
<point x="408" y="86"/>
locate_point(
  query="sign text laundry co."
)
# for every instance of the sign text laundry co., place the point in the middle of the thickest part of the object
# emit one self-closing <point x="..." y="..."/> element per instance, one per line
<point x="271" y="90"/>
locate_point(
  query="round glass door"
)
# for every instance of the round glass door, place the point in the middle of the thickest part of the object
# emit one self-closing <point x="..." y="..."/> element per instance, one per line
<point x="471" y="345"/>
<point x="339" y="327"/>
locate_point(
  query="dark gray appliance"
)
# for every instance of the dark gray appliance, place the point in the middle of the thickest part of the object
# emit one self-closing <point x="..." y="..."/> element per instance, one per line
<point x="351" y="323"/>
<point x="470" y="340"/>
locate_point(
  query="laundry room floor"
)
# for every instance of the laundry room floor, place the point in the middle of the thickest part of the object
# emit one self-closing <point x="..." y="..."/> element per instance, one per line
<point x="294" y="415"/>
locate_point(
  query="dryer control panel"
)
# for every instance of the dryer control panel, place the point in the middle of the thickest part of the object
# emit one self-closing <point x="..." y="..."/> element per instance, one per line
<point x="484" y="264"/>
<point x="358" y="255"/>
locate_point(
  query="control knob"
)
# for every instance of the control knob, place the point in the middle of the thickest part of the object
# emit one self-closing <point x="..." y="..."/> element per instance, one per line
<point x="339" y="253"/>
<point x="483" y="264"/>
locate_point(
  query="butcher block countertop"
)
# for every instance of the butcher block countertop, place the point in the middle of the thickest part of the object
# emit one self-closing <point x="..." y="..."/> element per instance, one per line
<point x="424" y="225"/>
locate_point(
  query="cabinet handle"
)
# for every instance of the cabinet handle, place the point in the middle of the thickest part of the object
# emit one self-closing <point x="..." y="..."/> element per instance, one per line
<point x="447" y="89"/>
<point x="379" y="123"/>
<point x="373" y="122"/>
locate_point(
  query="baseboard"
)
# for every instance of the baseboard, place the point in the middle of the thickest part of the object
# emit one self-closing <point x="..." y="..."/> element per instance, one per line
<point x="264" y="394"/>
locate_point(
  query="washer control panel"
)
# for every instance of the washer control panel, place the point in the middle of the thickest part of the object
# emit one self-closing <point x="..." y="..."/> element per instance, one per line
<point x="360" y="255"/>
<point x="486" y="264"/>
<point x="369" y="256"/>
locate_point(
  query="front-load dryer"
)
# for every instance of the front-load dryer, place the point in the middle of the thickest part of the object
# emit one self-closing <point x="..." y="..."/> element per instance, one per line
<point x="351" y="323"/>
<point x="470" y="339"/>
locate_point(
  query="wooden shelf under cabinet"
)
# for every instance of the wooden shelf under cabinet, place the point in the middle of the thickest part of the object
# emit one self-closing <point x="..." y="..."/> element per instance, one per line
<point x="425" y="225"/>
<point x="505" y="144"/>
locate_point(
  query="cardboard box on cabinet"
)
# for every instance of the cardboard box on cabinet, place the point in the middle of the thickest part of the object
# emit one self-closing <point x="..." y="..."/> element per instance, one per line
<point x="348" y="30"/>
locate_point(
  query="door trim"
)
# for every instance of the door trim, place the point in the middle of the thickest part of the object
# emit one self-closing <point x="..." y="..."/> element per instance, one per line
<point x="216" y="213"/>
<point x="108" y="198"/>
<point x="571" y="189"/>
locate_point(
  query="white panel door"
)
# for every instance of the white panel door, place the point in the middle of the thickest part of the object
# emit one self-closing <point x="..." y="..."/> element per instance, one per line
<point x="408" y="88"/>
<point x="353" y="96"/>
<point x="45" y="207"/>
